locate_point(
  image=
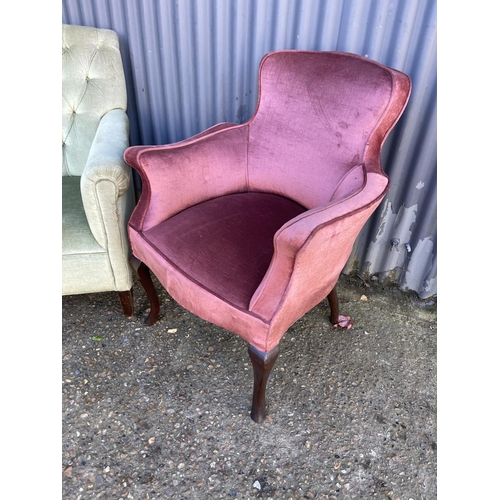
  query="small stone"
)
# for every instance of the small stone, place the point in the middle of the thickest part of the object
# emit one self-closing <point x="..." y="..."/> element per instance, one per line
<point x="256" y="484"/>
<point x="172" y="330"/>
<point x="151" y="440"/>
<point x="363" y="298"/>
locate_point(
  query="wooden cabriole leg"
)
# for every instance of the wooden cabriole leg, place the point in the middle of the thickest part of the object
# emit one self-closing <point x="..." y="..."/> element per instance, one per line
<point x="333" y="300"/>
<point x="127" y="302"/>
<point x="145" y="278"/>
<point x="337" y="319"/>
<point x="263" y="363"/>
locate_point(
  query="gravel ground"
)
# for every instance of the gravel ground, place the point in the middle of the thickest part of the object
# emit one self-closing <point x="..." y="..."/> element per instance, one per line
<point x="163" y="412"/>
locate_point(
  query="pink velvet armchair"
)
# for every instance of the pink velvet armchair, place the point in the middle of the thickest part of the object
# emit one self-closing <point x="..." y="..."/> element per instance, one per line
<point x="249" y="226"/>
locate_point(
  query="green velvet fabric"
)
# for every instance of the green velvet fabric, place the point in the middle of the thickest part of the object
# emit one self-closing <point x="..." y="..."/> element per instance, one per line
<point x="93" y="83"/>
<point x="77" y="238"/>
<point x="97" y="188"/>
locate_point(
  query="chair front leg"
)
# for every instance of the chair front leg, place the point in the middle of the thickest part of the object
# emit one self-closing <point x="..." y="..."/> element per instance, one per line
<point x="127" y="303"/>
<point x="144" y="276"/>
<point x="263" y="363"/>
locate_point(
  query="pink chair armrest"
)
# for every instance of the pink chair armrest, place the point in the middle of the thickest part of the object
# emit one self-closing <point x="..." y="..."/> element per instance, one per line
<point x="176" y="176"/>
<point x="311" y="239"/>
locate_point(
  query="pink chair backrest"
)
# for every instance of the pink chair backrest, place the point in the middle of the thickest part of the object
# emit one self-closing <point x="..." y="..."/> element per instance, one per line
<point x="316" y="115"/>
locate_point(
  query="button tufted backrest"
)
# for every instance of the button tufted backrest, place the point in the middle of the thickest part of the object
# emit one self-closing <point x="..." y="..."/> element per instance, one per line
<point x="93" y="83"/>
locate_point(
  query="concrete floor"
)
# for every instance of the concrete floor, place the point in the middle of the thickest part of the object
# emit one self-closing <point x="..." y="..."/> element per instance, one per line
<point x="163" y="411"/>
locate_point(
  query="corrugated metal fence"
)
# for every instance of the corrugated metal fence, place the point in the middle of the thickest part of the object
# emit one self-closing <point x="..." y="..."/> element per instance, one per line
<point x="192" y="63"/>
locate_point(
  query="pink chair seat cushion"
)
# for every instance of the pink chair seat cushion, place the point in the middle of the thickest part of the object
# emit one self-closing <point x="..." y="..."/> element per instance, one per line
<point x="225" y="244"/>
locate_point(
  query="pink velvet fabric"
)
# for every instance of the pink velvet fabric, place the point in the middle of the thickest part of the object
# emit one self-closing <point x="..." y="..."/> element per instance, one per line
<point x="314" y="117"/>
<point x="249" y="226"/>
<point x="225" y="244"/>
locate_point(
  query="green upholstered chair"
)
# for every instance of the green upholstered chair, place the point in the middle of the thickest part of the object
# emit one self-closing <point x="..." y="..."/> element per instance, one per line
<point x="97" y="186"/>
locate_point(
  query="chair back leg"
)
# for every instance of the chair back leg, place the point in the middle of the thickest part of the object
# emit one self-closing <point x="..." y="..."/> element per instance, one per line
<point x="336" y="319"/>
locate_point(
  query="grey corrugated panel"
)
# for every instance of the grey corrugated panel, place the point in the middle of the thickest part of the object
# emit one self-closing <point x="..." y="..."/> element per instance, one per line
<point x="192" y="63"/>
